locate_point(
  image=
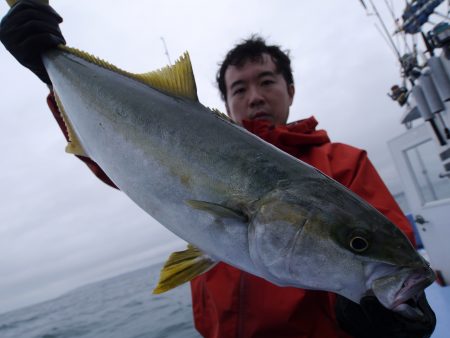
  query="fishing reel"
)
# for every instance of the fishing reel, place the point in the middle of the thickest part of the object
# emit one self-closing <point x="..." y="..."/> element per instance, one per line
<point x="410" y="66"/>
<point x="399" y="94"/>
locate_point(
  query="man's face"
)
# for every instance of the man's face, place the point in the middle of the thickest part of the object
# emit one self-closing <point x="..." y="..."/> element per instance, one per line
<point x="256" y="90"/>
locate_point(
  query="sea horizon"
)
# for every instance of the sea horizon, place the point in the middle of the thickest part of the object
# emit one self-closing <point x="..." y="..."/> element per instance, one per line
<point x="115" y="307"/>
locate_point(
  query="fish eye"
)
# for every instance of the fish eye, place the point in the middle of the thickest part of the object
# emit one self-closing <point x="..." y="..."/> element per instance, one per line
<point x="358" y="243"/>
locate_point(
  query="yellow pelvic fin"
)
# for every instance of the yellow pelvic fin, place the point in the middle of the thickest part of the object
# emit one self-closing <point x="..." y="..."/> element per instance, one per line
<point x="177" y="79"/>
<point x="181" y="267"/>
<point x="74" y="146"/>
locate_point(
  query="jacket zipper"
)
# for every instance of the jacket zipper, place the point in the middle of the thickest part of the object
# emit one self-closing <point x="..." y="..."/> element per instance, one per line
<point x="241" y="306"/>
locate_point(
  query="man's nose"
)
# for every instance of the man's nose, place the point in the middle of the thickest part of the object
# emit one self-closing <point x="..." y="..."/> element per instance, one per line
<point x="255" y="97"/>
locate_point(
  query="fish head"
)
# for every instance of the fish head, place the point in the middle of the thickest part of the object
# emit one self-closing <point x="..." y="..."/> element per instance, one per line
<point x="335" y="243"/>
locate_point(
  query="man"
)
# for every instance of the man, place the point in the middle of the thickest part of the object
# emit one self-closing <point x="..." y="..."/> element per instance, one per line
<point x="257" y="86"/>
<point x="256" y="83"/>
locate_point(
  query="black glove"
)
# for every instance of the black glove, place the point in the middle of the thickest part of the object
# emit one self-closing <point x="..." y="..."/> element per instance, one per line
<point x="28" y="30"/>
<point x="370" y="319"/>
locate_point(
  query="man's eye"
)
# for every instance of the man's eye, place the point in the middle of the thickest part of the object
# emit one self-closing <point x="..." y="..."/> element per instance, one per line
<point x="238" y="91"/>
<point x="267" y="82"/>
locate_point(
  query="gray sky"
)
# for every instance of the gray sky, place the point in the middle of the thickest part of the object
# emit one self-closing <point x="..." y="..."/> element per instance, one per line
<point x="60" y="227"/>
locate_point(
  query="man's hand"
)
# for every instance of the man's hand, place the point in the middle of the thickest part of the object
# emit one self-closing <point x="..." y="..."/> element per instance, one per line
<point x="28" y="30"/>
<point x="370" y="319"/>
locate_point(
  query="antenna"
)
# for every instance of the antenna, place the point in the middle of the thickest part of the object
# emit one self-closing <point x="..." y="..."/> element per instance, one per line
<point x="165" y="50"/>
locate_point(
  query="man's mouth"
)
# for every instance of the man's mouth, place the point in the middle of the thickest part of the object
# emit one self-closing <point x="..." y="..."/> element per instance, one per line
<point x="261" y="116"/>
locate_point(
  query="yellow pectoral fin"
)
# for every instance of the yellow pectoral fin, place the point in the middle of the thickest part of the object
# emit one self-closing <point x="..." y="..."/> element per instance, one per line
<point x="217" y="210"/>
<point x="181" y="267"/>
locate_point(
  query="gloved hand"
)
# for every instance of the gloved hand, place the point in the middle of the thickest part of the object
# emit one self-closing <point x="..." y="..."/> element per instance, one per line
<point x="370" y="319"/>
<point x="28" y="30"/>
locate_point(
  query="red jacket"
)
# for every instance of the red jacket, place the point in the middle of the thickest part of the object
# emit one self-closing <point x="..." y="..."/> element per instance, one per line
<point x="230" y="303"/>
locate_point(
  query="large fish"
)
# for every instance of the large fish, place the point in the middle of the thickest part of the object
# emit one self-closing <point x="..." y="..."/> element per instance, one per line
<point x="234" y="197"/>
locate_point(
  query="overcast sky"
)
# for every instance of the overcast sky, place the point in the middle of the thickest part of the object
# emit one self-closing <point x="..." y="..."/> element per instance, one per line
<point x="60" y="227"/>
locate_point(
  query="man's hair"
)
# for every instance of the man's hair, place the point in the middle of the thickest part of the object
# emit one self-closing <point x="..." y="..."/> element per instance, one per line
<point x="252" y="49"/>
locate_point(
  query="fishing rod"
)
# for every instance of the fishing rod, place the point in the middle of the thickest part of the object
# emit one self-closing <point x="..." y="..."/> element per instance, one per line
<point x="166" y="51"/>
<point x="411" y="70"/>
<point x="375" y="10"/>
<point x="395" y="20"/>
<point x="406" y="62"/>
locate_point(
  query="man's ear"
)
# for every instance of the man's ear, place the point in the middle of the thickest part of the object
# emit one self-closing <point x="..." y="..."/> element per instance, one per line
<point x="291" y="91"/>
<point x="227" y="109"/>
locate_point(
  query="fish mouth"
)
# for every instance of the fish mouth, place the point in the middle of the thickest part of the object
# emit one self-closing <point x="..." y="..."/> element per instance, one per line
<point x="411" y="287"/>
<point x="399" y="292"/>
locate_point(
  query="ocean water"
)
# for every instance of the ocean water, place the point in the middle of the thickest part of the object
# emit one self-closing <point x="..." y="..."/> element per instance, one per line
<point x="123" y="307"/>
<point x="119" y="307"/>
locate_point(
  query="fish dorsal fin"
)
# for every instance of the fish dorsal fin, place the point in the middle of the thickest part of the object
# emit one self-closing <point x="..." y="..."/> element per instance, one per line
<point x="177" y="79"/>
<point x="183" y="266"/>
